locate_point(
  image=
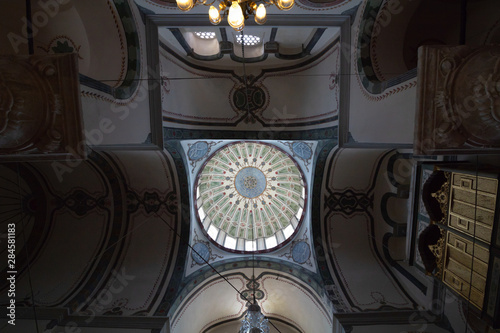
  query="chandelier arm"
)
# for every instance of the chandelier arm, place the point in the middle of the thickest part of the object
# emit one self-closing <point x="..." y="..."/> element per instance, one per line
<point x="268" y="2"/>
<point x="201" y="2"/>
<point x="198" y="2"/>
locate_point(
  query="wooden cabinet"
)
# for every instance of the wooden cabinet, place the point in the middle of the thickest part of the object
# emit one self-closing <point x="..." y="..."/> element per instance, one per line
<point x="468" y="253"/>
<point x="471" y="255"/>
<point x="472" y="205"/>
<point x="466" y="268"/>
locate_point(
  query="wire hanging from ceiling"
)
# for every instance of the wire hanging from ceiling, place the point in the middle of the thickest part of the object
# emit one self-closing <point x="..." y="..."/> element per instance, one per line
<point x="253" y="310"/>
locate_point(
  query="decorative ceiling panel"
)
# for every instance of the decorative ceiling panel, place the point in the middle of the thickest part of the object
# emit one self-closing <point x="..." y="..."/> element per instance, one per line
<point x="250" y="194"/>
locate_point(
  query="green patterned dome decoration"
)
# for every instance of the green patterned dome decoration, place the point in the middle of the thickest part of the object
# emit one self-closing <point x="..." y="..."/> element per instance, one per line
<point x="250" y="196"/>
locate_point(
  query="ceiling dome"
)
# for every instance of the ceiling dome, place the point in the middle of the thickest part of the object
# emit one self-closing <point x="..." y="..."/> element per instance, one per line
<point x="250" y="197"/>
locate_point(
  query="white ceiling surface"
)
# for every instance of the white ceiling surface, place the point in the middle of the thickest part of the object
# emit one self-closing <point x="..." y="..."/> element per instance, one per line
<point x="119" y="122"/>
<point x="292" y="95"/>
<point x="285" y="298"/>
<point x="108" y="120"/>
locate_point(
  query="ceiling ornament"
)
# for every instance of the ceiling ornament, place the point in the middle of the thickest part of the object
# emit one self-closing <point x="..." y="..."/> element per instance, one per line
<point x="253" y="290"/>
<point x="350" y="202"/>
<point x="201" y="252"/>
<point x="236" y="11"/>
<point x="302" y="150"/>
<point x="198" y="151"/>
<point x="254" y="321"/>
<point x="300" y="251"/>
<point x="250" y="196"/>
<point x="252" y="98"/>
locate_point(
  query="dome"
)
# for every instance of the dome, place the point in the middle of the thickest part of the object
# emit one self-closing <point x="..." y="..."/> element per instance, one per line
<point x="250" y="196"/>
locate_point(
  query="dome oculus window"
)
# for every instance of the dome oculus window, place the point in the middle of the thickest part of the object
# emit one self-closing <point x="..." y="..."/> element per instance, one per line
<point x="250" y="196"/>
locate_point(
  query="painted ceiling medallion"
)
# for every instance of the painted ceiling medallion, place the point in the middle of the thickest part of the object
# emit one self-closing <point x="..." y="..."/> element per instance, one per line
<point x="250" y="196"/>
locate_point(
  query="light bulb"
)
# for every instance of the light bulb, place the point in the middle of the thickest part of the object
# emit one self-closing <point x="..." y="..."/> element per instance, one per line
<point x="285" y="4"/>
<point x="260" y="14"/>
<point x="185" y="5"/>
<point x="235" y="18"/>
<point x="214" y="15"/>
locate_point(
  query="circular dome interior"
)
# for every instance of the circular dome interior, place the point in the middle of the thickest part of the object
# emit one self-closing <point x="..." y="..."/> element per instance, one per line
<point x="250" y="196"/>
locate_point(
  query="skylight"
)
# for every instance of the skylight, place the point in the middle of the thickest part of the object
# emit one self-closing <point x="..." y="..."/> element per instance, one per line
<point x="248" y="40"/>
<point x="205" y="34"/>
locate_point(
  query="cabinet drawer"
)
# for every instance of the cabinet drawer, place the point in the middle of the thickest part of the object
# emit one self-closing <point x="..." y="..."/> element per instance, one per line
<point x="466" y="181"/>
<point x="463" y="288"/>
<point x="466" y="246"/>
<point x="468" y="226"/>
<point x="464" y="273"/>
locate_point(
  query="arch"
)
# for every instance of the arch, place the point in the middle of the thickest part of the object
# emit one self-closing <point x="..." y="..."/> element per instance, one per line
<point x="282" y="296"/>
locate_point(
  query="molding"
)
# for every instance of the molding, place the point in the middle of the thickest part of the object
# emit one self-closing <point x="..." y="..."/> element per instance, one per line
<point x="190" y="20"/>
<point x="114" y="147"/>
<point x="344" y="83"/>
<point x="398" y="317"/>
<point x="41" y="313"/>
<point x="154" y="88"/>
<point x="61" y="317"/>
<point x="355" y="144"/>
<point x="117" y="322"/>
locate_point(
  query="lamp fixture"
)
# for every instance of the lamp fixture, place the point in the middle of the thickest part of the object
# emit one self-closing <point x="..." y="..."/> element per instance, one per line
<point x="236" y="11"/>
<point x="254" y="321"/>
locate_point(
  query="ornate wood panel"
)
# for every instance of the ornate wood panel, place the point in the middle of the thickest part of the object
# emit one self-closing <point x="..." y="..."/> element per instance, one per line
<point x="40" y="112"/>
<point x="458" y="100"/>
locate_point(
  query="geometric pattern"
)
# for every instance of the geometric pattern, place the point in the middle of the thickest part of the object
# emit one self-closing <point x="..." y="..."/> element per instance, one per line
<point x="302" y="150"/>
<point x="151" y="201"/>
<point x="201" y="252"/>
<point x="81" y="203"/>
<point x="349" y="202"/>
<point x="198" y="151"/>
<point x="300" y="251"/>
<point x="252" y="292"/>
<point x="250" y="191"/>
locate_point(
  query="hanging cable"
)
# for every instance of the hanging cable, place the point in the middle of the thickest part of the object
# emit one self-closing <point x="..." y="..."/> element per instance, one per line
<point x="212" y="267"/>
<point x="245" y="81"/>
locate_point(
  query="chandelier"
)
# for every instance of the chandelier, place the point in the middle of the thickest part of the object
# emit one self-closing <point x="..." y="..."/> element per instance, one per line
<point x="254" y="321"/>
<point x="236" y="11"/>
